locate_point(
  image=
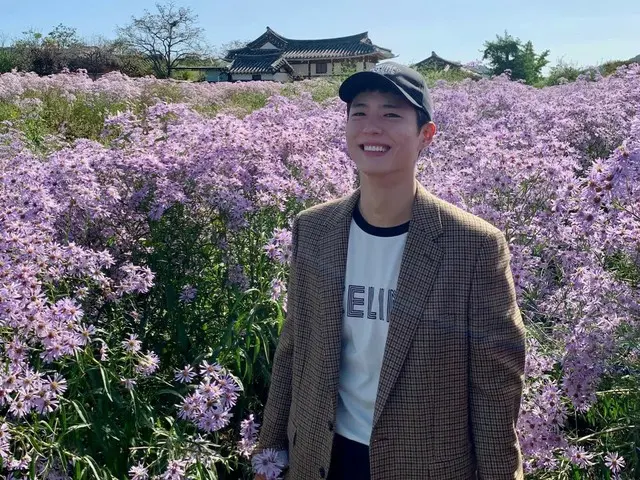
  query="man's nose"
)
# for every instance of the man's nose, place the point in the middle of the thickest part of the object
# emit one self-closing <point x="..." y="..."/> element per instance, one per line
<point x="371" y="126"/>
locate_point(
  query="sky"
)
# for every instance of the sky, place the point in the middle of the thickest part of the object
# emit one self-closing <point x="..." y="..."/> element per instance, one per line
<point x="578" y="32"/>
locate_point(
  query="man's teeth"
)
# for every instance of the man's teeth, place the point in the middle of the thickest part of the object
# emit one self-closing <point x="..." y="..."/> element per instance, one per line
<point x="375" y="148"/>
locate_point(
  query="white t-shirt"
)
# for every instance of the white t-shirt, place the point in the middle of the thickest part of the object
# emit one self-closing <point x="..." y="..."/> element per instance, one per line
<point x="373" y="264"/>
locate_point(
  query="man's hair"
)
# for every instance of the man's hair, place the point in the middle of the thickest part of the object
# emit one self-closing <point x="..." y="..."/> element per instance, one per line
<point x="422" y="116"/>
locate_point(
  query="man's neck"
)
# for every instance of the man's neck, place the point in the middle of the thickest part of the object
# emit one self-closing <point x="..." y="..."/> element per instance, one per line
<point x="387" y="204"/>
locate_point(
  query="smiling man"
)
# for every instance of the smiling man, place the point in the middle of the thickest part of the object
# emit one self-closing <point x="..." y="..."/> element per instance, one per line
<point x="402" y="355"/>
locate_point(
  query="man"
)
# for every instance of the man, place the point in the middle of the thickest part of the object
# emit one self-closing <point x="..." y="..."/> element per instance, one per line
<point x="402" y="355"/>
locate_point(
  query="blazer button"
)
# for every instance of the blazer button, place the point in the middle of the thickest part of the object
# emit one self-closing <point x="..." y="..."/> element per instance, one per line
<point x="322" y="472"/>
<point x="330" y="426"/>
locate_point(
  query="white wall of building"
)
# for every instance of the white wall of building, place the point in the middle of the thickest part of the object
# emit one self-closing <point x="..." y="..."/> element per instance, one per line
<point x="302" y="70"/>
<point x="282" y="77"/>
<point x="335" y="68"/>
<point x="248" y="76"/>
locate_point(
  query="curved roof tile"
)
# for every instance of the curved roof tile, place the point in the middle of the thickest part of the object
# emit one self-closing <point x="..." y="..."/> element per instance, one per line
<point x="338" y="47"/>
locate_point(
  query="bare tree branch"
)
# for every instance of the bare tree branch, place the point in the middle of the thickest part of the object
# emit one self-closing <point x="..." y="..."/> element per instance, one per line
<point x="165" y="37"/>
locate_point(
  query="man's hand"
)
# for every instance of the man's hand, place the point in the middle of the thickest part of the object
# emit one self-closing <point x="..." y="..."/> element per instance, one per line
<point x="260" y="477"/>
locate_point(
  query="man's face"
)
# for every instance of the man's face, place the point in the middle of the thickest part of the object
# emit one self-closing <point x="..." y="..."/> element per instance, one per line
<point x="382" y="135"/>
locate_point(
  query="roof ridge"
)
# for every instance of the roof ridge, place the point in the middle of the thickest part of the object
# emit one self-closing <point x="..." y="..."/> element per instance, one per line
<point x="360" y="35"/>
<point x="257" y="52"/>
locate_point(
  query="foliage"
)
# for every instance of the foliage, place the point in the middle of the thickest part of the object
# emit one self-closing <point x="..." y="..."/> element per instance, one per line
<point x="508" y="53"/>
<point x="64" y="36"/>
<point x="609" y="68"/>
<point x="7" y="59"/>
<point x="434" y="76"/>
<point x="562" y="73"/>
<point x="157" y="239"/>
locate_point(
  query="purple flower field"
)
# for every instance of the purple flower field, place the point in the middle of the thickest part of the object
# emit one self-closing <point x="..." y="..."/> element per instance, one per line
<point x="143" y="265"/>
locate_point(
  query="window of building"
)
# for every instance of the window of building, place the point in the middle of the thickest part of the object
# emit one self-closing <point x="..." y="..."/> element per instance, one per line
<point x="321" y="67"/>
<point x="256" y="77"/>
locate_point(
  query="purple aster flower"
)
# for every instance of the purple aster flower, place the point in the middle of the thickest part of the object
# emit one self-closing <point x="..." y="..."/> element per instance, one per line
<point x="104" y="352"/>
<point x="128" y="383"/>
<point x="209" y="369"/>
<point x="249" y="436"/>
<point x="188" y="293"/>
<point x="19" y="408"/>
<point x="138" y="472"/>
<point x="268" y="463"/>
<point x="615" y="462"/>
<point x="186" y="375"/>
<point x="46" y="404"/>
<point x="176" y="470"/>
<point x="278" y="288"/>
<point x="132" y="344"/>
<point x="579" y="457"/>
<point x="190" y="408"/>
<point x="279" y="247"/>
<point x="148" y="363"/>
<point x="5" y="438"/>
<point x="86" y="332"/>
<point x="212" y="421"/>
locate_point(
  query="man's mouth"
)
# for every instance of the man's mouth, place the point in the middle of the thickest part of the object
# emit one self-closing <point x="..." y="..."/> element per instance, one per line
<point x="369" y="147"/>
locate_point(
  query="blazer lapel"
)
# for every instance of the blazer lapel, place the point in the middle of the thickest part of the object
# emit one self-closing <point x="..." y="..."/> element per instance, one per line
<point x="332" y="265"/>
<point x="420" y="262"/>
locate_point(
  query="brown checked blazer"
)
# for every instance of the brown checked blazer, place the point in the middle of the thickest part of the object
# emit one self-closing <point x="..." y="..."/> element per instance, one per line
<point x="453" y="370"/>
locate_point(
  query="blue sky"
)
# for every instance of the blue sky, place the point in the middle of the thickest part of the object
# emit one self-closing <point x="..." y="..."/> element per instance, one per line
<point x="582" y="32"/>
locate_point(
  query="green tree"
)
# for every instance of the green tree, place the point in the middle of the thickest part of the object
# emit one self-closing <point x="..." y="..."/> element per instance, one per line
<point x="63" y="37"/>
<point x="45" y="55"/>
<point x="7" y="56"/>
<point x="562" y="72"/>
<point x="509" y="53"/>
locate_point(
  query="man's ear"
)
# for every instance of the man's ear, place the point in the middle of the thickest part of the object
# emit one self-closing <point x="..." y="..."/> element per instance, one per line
<point x="427" y="132"/>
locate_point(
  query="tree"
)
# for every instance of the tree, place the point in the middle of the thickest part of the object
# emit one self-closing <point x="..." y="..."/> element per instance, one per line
<point x="63" y="37"/>
<point x="96" y="56"/>
<point x="7" y="56"/>
<point x="35" y="53"/>
<point x="225" y="48"/>
<point x="508" y="53"/>
<point x="46" y="55"/>
<point x="165" y="37"/>
<point x="562" y="72"/>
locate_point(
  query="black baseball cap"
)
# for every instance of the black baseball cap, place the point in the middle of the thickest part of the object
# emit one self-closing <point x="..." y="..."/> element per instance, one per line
<point x="400" y="78"/>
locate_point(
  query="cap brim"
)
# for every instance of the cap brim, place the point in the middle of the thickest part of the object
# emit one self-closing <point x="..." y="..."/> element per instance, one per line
<point x="361" y="81"/>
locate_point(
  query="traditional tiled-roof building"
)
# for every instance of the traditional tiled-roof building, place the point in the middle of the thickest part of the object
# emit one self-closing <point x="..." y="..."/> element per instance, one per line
<point x="436" y="62"/>
<point x="274" y="57"/>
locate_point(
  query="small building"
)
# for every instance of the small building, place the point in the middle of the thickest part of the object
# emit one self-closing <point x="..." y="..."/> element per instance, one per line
<point x="212" y="70"/>
<point x="436" y="62"/>
<point x="274" y="57"/>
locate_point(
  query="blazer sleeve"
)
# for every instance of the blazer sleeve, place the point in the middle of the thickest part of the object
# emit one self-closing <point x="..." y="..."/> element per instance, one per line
<point x="497" y="348"/>
<point x="273" y="433"/>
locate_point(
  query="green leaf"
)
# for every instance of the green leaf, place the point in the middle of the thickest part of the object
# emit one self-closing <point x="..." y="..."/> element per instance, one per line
<point x="104" y="382"/>
<point x="78" y="426"/>
<point x="90" y="462"/>
<point x="79" y="411"/>
<point x="256" y="349"/>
